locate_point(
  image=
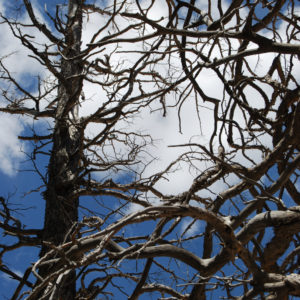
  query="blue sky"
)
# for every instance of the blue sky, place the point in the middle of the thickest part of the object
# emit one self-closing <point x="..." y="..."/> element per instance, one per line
<point x="17" y="177"/>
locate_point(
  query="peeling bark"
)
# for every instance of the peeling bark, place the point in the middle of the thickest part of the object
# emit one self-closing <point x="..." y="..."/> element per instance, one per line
<point x="61" y="211"/>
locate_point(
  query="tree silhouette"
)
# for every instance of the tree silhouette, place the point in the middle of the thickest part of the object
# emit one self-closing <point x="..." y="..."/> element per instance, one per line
<point x="213" y="210"/>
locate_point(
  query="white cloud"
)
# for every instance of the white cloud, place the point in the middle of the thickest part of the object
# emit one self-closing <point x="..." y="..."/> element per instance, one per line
<point x="190" y="227"/>
<point x="165" y="130"/>
<point x="20" y="64"/>
<point x="24" y="69"/>
<point x="10" y="146"/>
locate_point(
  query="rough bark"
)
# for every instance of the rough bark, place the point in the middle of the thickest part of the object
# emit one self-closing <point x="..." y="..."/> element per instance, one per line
<point x="61" y="210"/>
<point x="244" y="175"/>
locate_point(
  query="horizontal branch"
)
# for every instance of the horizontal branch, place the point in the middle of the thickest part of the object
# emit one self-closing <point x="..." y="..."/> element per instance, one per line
<point x="28" y="111"/>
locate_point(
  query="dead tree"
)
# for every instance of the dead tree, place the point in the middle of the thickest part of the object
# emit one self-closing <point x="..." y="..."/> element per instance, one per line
<point x="233" y="230"/>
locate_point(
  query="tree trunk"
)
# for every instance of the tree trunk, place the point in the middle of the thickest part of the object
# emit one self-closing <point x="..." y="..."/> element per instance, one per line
<point x="61" y="210"/>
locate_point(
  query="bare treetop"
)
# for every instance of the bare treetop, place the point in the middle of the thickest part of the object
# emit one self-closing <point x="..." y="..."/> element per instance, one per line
<point x="171" y="134"/>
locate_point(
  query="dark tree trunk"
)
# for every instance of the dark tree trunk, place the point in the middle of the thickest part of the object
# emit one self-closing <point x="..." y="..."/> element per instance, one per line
<point x="61" y="210"/>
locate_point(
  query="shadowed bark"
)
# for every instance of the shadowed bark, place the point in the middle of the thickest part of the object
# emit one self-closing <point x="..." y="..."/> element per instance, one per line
<point x="213" y="215"/>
